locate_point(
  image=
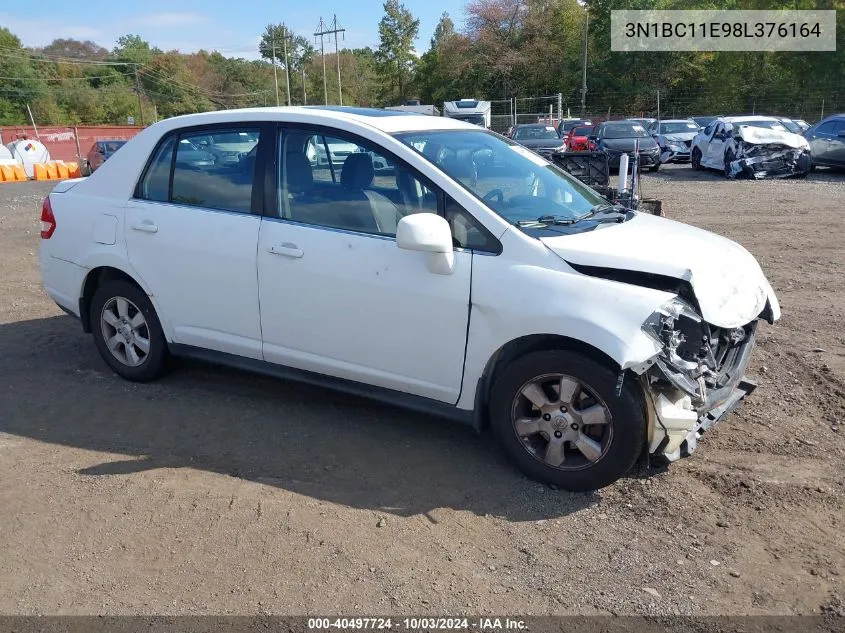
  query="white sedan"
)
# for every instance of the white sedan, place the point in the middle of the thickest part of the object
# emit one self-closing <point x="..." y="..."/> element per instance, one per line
<point x="477" y="282"/>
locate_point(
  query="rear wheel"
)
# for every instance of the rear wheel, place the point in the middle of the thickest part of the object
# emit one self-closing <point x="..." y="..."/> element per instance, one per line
<point x="558" y="418"/>
<point x="695" y="159"/>
<point x="127" y="331"/>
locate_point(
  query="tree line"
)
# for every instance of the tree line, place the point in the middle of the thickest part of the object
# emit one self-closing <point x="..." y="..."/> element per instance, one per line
<point x="501" y="49"/>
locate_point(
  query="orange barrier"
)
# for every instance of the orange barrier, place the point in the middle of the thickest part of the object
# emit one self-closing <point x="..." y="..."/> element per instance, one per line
<point x="39" y="171"/>
<point x="7" y="173"/>
<point x="73" y="170"/>
<point x="20" y="173"/>
<point x="62" y="170"/>
<point x="52" y="171"/>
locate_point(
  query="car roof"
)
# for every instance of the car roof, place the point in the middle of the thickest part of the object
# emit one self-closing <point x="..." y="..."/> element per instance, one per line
<point x="676" y="121"/>
<point x="388" y="121"/>
<point x="740" y="119"/>
<point x="543" y="125"/>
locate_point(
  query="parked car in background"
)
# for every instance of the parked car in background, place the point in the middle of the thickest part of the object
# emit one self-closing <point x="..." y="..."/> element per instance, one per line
<point x="802" y="124"/>
<point x="620" y="137"/>
<point x="674" y="136"/>
<point x="790" y="124"/>
<point x="99" y="153"/>
<point x="479" y="284"/>
<point x="538" y="137"/>
<point x="827" y="141"/>
<point x="646" y="123"/>
<point x="189" y="154"/>
<point x="578" y="139"/>
<point x="704" y="121"/>
<point x="227" y="148"/>
<point x="752" y="147"/>
<point x="567" y="124"/>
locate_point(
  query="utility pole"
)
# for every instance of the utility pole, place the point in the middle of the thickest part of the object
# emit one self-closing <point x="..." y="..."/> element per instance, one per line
<point x="658" y="105"/>
<point x="304" y="94"/>
<point x="333" y="30"/>
<point x="275" y="76"/>
<point x="287" y="68"/>
<point x="138" y="91"/>
<point x="321" y="31"/>
<point x="584" y="65"/>
<point x="337" y="54"/>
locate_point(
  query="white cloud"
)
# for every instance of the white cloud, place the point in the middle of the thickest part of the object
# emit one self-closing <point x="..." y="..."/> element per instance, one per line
<point x="167" y="20"/>
<point x="42" y="31"/>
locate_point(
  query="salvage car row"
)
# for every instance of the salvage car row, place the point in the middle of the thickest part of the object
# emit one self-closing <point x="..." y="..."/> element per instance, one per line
<point x="753" y="146"/>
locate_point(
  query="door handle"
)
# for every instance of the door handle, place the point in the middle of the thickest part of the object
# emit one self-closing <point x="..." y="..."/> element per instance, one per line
<point x="146" y="226"/>
<point x="287" y="249"/>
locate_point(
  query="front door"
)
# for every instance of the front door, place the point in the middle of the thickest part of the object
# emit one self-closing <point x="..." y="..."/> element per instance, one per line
<point x="337" y="295"/>
<point x="192" y="239"/>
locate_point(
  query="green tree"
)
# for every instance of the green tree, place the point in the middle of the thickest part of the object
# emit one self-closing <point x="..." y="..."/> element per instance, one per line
<point x="398" y="31"/>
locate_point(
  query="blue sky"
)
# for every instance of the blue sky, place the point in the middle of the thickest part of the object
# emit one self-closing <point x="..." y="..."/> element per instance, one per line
<point x="232" y="27"/>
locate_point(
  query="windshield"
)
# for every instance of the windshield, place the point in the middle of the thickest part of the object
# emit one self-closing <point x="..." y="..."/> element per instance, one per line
<point x="791" y="126"/>
<point x="623" y="130"/>
<point x="509" y="178"/>
<point x="538" y="132"/>
<point x="678" y="127"/>
<point x="582" y="131"/>
<point x="769" y="125"/>
<point x="568" y="125"/>
<point x="476" y="119"/>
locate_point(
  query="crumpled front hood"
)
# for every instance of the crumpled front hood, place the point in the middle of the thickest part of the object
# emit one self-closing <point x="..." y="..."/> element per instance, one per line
<point x="766" y="136"/>
<point x="729" y="284"/>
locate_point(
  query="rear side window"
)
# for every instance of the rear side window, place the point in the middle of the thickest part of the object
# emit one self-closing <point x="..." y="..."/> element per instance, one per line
<point x="156" y="184"/>
<point x="210" y="169"/>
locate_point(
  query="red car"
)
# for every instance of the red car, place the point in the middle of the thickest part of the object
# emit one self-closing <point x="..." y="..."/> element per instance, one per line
<point x="100" y="152"/>
<point x="577" y="139"/>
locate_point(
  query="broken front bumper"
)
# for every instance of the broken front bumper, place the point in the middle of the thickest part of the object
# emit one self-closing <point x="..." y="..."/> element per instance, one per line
<point x="780" y="164"/>
<point x="676" y="425"/>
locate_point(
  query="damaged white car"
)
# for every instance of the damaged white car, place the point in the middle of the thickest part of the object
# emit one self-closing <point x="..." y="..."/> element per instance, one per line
<point x="751" y="147"/>
<point x="478" y="282"/>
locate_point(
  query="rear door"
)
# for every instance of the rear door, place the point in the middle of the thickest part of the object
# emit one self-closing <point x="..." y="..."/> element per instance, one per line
<point x="191" y="234"/>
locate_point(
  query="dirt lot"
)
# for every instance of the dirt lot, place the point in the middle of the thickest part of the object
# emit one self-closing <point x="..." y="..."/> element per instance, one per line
<point x="219" y="492"/>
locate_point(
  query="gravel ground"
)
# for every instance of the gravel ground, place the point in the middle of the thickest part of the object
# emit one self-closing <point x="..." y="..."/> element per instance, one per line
<point x="218" y="492"/>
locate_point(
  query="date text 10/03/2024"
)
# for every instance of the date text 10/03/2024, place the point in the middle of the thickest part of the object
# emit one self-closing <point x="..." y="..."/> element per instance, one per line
<point x="416" y="624"/>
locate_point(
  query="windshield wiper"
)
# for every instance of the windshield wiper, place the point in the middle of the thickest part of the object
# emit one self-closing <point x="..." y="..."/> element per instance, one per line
<point x="605" y="207"/>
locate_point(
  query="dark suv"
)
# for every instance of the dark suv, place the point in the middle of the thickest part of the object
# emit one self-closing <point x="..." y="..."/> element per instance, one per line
<point x="827" y="141"/>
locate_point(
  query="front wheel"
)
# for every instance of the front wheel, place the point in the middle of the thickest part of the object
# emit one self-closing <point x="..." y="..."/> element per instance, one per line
<point x="127" y="331"/>
<point x="695" y="159"/>
<point x="558" y="418"/>
<point x="729" y="158"/>
<point x="654" y="168"/>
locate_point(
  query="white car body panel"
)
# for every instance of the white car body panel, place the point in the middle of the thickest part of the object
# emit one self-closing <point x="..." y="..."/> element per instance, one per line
<point x="201" y="266"/>
<point x="357" y="307"/>
<point x="728" y="282"/>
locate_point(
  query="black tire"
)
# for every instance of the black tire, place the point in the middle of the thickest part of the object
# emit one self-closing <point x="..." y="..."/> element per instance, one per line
<point x="626" y="422"/>
<point x="654" y="168"/>
<point x="729" y="158"/>
<point x="695" y="159"/>
<point x="155" y="362"/>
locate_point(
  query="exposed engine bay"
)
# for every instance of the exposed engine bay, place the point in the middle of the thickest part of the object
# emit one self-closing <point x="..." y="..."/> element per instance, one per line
<point x="763" y="153"/>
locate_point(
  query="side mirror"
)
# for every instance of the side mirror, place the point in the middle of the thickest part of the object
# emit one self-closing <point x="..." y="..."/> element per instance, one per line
<point x="429" y="233"/>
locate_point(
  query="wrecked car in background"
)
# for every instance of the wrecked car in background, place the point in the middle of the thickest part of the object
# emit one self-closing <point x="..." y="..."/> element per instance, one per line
<point x="674" y="136"/>
<point x="751" y="147"/>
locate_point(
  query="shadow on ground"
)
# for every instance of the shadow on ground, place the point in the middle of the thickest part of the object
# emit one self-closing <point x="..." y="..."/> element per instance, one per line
<point x="323" y="444"/>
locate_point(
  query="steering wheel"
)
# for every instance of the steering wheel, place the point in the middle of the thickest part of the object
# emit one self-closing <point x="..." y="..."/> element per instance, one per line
<point x="494" y="193"/>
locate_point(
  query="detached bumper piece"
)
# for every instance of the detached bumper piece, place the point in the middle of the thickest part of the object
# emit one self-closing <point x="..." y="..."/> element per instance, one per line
<point x="710" y="419"/>
<point x="762" y="162"/>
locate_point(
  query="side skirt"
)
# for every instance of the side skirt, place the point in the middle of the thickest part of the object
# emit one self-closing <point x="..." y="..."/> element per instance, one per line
<point x="380" y="394"/>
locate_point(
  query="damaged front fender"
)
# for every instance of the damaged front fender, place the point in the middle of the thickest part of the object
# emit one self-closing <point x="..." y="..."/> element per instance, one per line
<point x="757" y="153"/>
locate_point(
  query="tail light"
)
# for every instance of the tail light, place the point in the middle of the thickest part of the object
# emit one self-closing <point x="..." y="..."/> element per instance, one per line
<point x="48" y="220"/>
